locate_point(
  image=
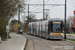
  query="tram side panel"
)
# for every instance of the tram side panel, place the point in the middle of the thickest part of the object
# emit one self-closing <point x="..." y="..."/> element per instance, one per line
<point x="29" y="30"/>
<point x="34" y="28"/>
<point x="40" y="29"/>
<point x="40" y="35"/>
<point x="46" y="28"/>
<point x="44" y="22"/>
<point x="37" y="28"/>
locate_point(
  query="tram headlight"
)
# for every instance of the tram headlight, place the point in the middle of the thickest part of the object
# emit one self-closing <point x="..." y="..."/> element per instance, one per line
<point x="62" y="34"/>
<point x="51" y="33"/>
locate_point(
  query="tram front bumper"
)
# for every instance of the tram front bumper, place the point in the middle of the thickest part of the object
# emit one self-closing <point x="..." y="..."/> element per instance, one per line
<point x="56" y="37"/>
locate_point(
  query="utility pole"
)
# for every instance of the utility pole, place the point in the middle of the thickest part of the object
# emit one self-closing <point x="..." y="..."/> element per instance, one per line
<point x="28" y="17"/>
<point x="65" y="22"/>
<point x="43" y="8"/>
<point x="19" y="18"/>
<point x="46" y="11"/>
<point x="28" y="13"/>
<point x="46" y="16"/>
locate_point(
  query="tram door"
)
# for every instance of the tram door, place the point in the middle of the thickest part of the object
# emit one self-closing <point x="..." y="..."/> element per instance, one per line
<point x="49" y="27"/>
<point x="32" y="29"/>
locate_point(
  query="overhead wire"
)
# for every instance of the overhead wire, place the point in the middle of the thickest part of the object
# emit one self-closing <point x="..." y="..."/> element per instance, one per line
<point x="52" y="1"/>
<point x="37" y="2"/>
<point x="32" y="11"/>
<point x="37" y="8"/>
<point x="47" y="1"/>
<point x="40" y="7"/>
<point x="55" y="3"/>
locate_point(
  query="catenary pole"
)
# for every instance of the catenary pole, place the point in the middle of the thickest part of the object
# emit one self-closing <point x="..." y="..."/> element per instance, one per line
<point x="65" y="22"/>
<point x="28" y="16"/>
<point x="43" y="8"/>
<point x="19" y="19"/>
<point x="28" y="13"/>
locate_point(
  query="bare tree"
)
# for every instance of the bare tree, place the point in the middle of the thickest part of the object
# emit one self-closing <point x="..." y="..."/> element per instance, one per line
<point x="69" y="21"/>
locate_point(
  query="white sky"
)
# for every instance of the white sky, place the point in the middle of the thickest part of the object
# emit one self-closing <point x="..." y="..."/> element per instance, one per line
<point x="54" y="11"/>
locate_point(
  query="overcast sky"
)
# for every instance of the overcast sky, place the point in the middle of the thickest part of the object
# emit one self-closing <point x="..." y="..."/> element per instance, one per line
<point x="54" y="11"/>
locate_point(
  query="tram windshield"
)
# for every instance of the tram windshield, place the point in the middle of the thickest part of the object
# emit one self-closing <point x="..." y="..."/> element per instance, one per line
<point x="57" y="28"/>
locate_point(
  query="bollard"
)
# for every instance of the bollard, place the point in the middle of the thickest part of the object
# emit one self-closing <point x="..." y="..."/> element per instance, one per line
<point x="0" y="39"/>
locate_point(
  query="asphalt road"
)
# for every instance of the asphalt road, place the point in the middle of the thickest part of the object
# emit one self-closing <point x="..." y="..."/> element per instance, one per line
<point x="37" y="43"/>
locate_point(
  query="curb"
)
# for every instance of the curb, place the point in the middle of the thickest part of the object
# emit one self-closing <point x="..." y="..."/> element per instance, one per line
<point x="24" y="44"/>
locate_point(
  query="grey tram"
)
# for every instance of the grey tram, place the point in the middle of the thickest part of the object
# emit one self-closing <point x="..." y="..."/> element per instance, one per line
<point x="49" y="29"/>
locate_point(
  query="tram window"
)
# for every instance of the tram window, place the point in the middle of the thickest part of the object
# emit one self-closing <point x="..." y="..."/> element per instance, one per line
<point x="57" y="28"/>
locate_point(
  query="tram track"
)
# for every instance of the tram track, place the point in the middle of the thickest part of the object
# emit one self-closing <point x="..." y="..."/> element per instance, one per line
<point x="47" y="45"/>
<point x="59" y="44"/>
<point x="37" y="43"/>
<point x="52" y="42"/>
<point x="64" y="44"/>
<point x="34" y="43"/>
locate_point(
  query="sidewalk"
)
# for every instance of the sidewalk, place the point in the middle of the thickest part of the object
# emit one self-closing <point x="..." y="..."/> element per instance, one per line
<point x="71" y="36"/>
<point x="17" y="42"/>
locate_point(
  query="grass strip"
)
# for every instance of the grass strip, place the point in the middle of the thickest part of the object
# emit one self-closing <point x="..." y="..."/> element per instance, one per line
<point x="70" y="33"/>
<point x="12" y="32"/>
<point x="71" y="39"/>
<point x="0" y="42"/>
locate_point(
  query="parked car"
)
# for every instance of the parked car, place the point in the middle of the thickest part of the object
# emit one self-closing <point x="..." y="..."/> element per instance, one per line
<point x="20" y="31"/>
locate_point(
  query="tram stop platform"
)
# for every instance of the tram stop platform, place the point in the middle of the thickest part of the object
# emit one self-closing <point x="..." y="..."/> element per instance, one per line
<point x="17" y="42"/>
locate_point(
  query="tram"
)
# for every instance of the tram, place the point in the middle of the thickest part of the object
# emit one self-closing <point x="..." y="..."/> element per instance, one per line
<point x="48" y="29"/>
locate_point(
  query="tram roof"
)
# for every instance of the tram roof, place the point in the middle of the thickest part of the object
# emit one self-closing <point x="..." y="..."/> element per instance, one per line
<point x="55" y="19"/>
